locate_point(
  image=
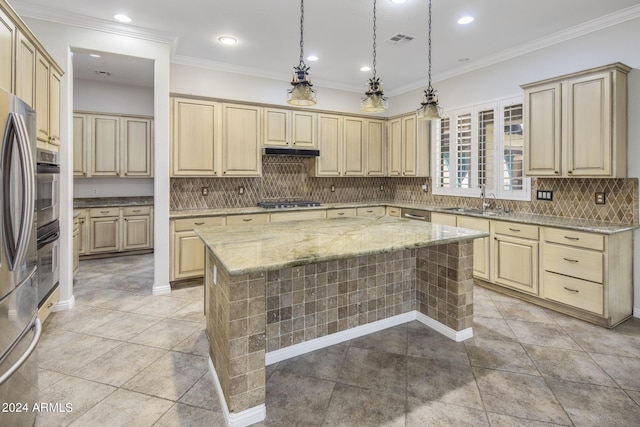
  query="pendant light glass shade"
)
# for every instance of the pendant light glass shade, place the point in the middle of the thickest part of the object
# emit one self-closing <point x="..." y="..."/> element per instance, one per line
<point x="302" y="93"/>
<point x="374" y="100"/>
<point x="429" y="108"/>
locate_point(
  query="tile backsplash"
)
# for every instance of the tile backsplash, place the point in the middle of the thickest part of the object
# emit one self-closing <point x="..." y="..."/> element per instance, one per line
<point x="287" y="178"/>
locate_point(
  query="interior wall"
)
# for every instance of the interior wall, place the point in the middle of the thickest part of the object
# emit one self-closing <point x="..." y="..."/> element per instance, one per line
<point x="60" y="40"/>
<point x="103" y="97"/>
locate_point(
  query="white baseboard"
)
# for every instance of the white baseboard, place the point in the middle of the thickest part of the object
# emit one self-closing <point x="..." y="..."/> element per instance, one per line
<point x="161" y="290"/>
<point x="636" y="312"/>
<point x="241" y="419"/>
<point x="63" y="305"/>
<point x="328" y="340"/>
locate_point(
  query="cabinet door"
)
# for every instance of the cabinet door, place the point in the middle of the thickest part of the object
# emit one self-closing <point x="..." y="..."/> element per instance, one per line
<point x="80" y="144"/>
<point x="195" y="136"/>
<point x="76" y="248"/>
<point x="481" y="248"/>
<point x="188" y="256"/>
<point x="409" y="146"/>
<point x="25" y="70"/>
<point x="395" y="147"/>
<point x="137" y="152"/>
<point x="444" y="219"/>
<point x="354" y="146"/>
<point x="7" y="43"/>
<point x="241" y="141"/>
<point x="515" y="263"/>
<point x="136" y="232"/>
<point x="54" y="107"/>
<point x="329" y="143"/>
<point x="105" y="146"/>
<point x="543" y="130"/>
<point x="277" y="127"/>
<point x="82" y="235"/>
<point x="304" y="129"/>
<point x="42" y="97"/>
<point x="105" y="233"/>
<point x="376" y="158"/>
<point x="589" y="116"/>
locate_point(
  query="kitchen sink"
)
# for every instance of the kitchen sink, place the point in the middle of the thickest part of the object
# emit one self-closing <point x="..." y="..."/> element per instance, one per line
<point x="473" y="211"/>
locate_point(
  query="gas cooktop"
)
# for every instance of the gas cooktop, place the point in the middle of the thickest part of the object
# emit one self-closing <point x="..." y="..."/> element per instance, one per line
<point x="288" y="204"/>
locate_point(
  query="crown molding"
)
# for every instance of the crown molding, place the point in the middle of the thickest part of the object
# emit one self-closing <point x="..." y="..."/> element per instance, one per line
<point x="624" y="15"/>
<point x="58" y="16"/>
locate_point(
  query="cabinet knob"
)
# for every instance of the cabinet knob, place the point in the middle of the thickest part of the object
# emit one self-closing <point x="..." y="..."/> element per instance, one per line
<point x="569" y="172"/>
<point x="556" y="172"/>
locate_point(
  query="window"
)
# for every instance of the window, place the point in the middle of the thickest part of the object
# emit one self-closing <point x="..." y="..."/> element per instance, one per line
<point x="471" y="154"/>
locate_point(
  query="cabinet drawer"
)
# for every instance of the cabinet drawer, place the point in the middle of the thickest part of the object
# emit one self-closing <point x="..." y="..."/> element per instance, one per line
<point x="297" y="216"/>
<point x="574" y="238"/>
<point x="98" y="212"/>
<point x="188" y="224"/>
<point x="82" y="212"/>
<point x="47" y="306"/>
<point x="444" y="219"/>
<point x="574" y="262"/>
<point x="136" y="210"/>
<point x="248" y="219"/>
<point x="471" y="223"/>
<point x="574" y="292"/>
<point x="515" y="229"/>
<point x="391" y="211"/>
<point x="372" y="211"/>
<point x="341" y="213"/>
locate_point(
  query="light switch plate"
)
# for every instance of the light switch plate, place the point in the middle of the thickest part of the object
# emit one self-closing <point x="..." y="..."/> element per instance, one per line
<point x="544" y="195"/>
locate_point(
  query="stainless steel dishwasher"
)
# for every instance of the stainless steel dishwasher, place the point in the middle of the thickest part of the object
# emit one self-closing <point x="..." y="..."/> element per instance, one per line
<point x="416" y="214"/>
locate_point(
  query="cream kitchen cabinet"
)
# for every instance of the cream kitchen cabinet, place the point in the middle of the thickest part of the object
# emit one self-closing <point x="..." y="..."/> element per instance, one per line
<point x="137" y="228"/>
<point x="376" y="148"/>
<point x="289" y="128"/>
<point x="576" y="125"/>
<point x="393" y="211"/>
<point x="7" y="49"/>
<point x="514" y="260"/>
<point x="248" y="219"/>
<point x="25" y="69"/>
<point x="76" y="246"/>
<point x="112" y="145"/>
<point x="408" y="146"/>
<point x="481" y="247"/>
<point x="241" y="140"/>
<point x="47" y="99"/>
<point x="444" y="219"/>
<point x="196" y="135"/>
<point x="104" y="230"/>
<point x="588" y="274"/>
<point x="187" y="250"/>
<point x="83" y="235"/>
<point x="114" y="229"/>
<point x="342" y="213"/>
<point x="371" y="211"/>
<point x="342" y="142"/>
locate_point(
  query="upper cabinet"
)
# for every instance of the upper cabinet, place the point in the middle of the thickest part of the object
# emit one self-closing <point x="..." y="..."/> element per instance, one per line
<point x="287" y="128"/>
<point x="241" y="140"/>
<point x="576" y="125"/>
<point x="7" y="49"/>
<point x="109" y="145"/>
<point x="408" y="146"/>
<point x="376" y="148"/>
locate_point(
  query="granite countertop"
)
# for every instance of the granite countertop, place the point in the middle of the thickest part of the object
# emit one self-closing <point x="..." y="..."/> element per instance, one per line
<point x="105" y="202"/>
<point x="592" y="226"/>
<point x="253" y="248"/>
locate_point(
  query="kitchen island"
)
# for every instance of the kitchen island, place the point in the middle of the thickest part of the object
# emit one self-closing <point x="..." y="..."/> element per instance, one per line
<point x="275" y="291"/>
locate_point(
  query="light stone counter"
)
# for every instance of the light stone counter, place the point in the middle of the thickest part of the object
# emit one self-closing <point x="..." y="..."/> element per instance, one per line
<point x="278" y="290"/>
<point x="251" y="248"/>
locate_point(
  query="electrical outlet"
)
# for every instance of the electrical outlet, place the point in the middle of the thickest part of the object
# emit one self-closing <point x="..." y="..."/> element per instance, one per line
<point x="241" y="190"/>
<point x="381" y="187"/>
<point x="95" y="191"/>
<point x="425" y="187"/>
<point x="544" y="195"/>
<point x="204" y="191"/>
<point x="333" y="188"/>
<point x="600" y="198"/>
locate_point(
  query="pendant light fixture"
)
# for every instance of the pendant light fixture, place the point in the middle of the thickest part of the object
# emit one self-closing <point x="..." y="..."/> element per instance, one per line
<point x="374" y="100"/>
<point x="429" y="109"/>
<point x="302" y="93"/>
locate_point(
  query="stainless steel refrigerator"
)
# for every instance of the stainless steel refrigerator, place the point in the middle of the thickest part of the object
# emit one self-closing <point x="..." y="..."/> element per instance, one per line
<point x="19" y="325"/>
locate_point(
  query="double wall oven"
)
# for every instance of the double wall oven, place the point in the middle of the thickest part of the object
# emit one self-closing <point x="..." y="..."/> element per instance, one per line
<point x="48" y="220"/>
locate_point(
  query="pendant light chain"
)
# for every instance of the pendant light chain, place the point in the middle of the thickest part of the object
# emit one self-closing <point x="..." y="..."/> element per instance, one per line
<point x="429" y="57"/>
<point x="301" y="32"/>
<point x="374" y="39"/>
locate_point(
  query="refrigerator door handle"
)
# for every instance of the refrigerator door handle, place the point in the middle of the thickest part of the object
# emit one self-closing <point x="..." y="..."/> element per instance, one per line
<point x="16" y="123"/>
<point x="38" y="327"/>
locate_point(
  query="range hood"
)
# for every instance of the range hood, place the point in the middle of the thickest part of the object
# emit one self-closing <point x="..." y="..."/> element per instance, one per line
<point x="298" y="152"/>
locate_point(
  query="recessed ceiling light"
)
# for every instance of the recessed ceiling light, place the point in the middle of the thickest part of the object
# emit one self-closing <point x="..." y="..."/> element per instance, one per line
<point x="122" y="18"/>
<point x="398" y="1"/>
<point x="95" y="55"/>
<point x="312" y="58"/>
<point x="365" y="68"/>
<point x="228" y="40"/>
<point x="465" y="20"/>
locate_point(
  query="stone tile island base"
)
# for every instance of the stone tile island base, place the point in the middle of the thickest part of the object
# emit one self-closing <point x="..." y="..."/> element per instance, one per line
<point x="270" y="316"/>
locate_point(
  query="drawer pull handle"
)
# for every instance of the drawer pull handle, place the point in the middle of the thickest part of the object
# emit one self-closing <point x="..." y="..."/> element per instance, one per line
<point x="247" y="219"/>
<point x="571" y="290"/>
<point x="340" y="213"/>
<point x="199" y="223"/>
<point x="515" y="230"/>
<point x="571" y="238"/>
<point x="50" y="305"/>
<point x="104" y="212"/>
<point x="570" y="260"/>
<point x="137" y="210"/>
<point x="369" y="211"/>
<point x="408" y="215"/>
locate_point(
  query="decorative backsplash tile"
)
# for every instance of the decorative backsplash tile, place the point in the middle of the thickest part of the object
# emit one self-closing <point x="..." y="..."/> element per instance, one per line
<point x="287" y="178"/>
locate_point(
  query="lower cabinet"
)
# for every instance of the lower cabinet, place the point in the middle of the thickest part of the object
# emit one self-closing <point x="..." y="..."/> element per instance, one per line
<point x="137" y="232"/>
<point x="187" y="250"/>
<point x="515" y="256"/>
<point x="76" y="245"/>
<point x="481" y="247"/>
<point x="104" y="230"/>
<point x="342" y="213"/>
<point x="375" y="211"/>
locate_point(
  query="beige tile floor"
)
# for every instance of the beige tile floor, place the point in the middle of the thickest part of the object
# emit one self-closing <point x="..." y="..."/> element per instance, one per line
<point x="123" y="357"/>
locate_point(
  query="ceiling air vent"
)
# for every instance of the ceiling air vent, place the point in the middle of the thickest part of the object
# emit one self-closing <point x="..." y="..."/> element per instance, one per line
<point x="103" y="73"/>
<point x="399" y="38"/>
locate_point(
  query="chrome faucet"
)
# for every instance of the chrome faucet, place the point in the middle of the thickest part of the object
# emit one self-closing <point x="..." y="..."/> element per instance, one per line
<point x="483" y="197"/>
